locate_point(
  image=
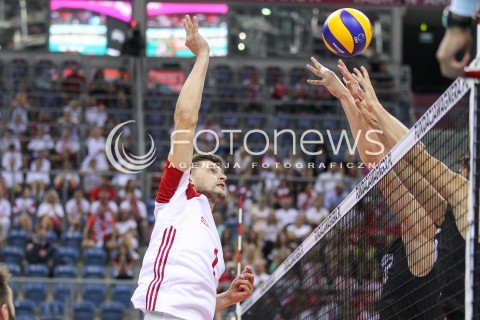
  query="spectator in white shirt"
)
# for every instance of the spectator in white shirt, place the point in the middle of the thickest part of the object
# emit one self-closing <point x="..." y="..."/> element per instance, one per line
<point x="8" y="155"/>
<point x="91" y="174"/>
<point x="9" y="139"/>
<point x="317" y="213"/>
<point x="104" y="199"/>
<point x="67" y="179"/>
<point x="12" y="166"/>
<point x="138" y="212"/>
<point x="286" y="214"/>
<point x="260" y="276"/>
<point x="66" y="147"/>
<point x="125" y="231"/>
<point x="24" y="209"/>
<point x="75" y="110"/>
<point x="261" y="210"/>
<point x="50" y="213"/>
<point x="95" y="142"/>
<point x="39" y="175"/>
<point x="78" y="209"/>
<point x="17" y="125"/>
<point x="96" y="114"/>
<point x="327" y="180"/>
<point x="131" y="186"/>
<point x="299" y="230"/>
<point x="41" y="141"/>
<point x="5" y="213"/>
<point x="66" y="121"/>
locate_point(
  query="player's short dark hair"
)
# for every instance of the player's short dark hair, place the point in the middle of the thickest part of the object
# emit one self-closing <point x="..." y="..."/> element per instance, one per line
<point x="4" y="288"/>
<point x="205" y="157"/>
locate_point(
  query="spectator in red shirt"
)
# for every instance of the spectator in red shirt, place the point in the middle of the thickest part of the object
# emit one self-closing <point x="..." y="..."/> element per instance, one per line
<point x="74" y="82"/>
<point x="99" y="228"/>
<point x="104" y="186"/>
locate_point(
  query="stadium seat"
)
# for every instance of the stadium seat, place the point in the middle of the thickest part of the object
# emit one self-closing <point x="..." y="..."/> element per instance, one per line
<point x="65" y="271"/>
<point x="36" y="292"/>
<point x="52" y="309"/>
<point x="94" y="256"/>
<point x="111" y="310"/>
<point x="18" y="238"/>
<point x="25" y="317"/>
<point x="14" y="269"/>
<point x="84" y="310"/>
<point x="122" y="294"/>
<point x="94" y="272"/>
<point x="68" y="254"/>
<point x="24" y="307"/>
<point x="93" y="292"/>
<point x="51" y="237"/>
<point x="62" y="291"/>
<point x="36" y="270"/>
<point x="51" y="318"/>
<point x="72" y="240"/>
<point x="12" y="255"/>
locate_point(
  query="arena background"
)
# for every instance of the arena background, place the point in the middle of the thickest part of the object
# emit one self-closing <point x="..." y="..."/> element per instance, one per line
<point x="57" y="108"/>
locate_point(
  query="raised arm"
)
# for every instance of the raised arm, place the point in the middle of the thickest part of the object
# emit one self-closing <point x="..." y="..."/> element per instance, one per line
<point x="358" y="126"/>
<point x="417" y="228"/>
<point x="188" y="103"/>
<point x="447" y="183"/>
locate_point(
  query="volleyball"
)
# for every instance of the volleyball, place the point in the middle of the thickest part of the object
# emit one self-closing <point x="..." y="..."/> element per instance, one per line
<point x="347" y="32"/>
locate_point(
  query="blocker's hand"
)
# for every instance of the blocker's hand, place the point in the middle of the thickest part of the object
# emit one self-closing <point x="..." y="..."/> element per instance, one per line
<point x="195" y="42"/>
<point x="241" y="287"/>
<point x="328" y="79"/>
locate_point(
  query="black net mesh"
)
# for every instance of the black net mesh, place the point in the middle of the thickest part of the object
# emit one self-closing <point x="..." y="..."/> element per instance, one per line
<point x="395" y="248"/>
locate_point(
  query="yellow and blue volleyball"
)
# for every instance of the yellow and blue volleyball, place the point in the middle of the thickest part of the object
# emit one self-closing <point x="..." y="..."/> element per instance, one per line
<point x="347" y="32"/>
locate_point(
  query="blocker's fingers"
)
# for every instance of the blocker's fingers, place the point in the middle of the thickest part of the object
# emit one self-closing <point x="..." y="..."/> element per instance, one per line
<point x="195" y="22"/>
<point x="316" y="82"/>
<point x="313" y="70"/>
<point x="358" y="73"/>
<point x="315" y="62"/>
<point x="365" y="72"/>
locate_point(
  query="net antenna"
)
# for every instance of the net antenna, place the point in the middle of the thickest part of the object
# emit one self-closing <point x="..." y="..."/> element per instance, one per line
<point x="238" y="310"/>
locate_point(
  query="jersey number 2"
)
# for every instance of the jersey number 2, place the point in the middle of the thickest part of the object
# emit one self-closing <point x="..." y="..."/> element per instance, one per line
<point x="215" y="261"/>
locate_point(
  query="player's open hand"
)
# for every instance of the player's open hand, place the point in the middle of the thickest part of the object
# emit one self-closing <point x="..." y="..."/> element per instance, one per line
<point x="328" y="79"/>
<point x="242" y="286"/>
<point x="352" y="85"/>
<point x="195" y="42"/>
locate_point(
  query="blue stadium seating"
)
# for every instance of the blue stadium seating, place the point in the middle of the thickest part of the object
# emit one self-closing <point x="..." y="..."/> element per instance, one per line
<point x="111" y="310"/>
<point x="52" y="309"/>
<point x="62" y="291"/>
<point x="25" y="317"/>
<point x="36" y="292"/>
<point x="84" y="310"/>
<point x="18" y="238"/>
<point x="12" y="255"/>
<point x="122" y="294"/>
<point x="65" y="271"/>
<point x="51" y="237"/>
<point x="14" y="269"/>
<point x="93" y="292"/>
<point x="37" y="270"/>
<point x="94" y="256"/>
<point x="24" y="307"/>
<point x="72" y="240"/>
<point x="94" y="272"/>
<point x="68" y="254"/>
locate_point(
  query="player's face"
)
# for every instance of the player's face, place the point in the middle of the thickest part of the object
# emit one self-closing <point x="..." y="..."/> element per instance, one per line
<point x="208" y="179"/>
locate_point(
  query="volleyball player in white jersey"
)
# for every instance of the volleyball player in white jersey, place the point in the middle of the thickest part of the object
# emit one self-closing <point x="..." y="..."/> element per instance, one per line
<point x="184" y="260"/>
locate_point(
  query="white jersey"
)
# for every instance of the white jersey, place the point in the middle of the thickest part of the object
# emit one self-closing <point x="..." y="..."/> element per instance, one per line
<point x="184" y="260"/>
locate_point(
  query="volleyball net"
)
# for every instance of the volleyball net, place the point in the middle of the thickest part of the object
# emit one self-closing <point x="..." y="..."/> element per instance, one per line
<point x="402" y="245"/>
